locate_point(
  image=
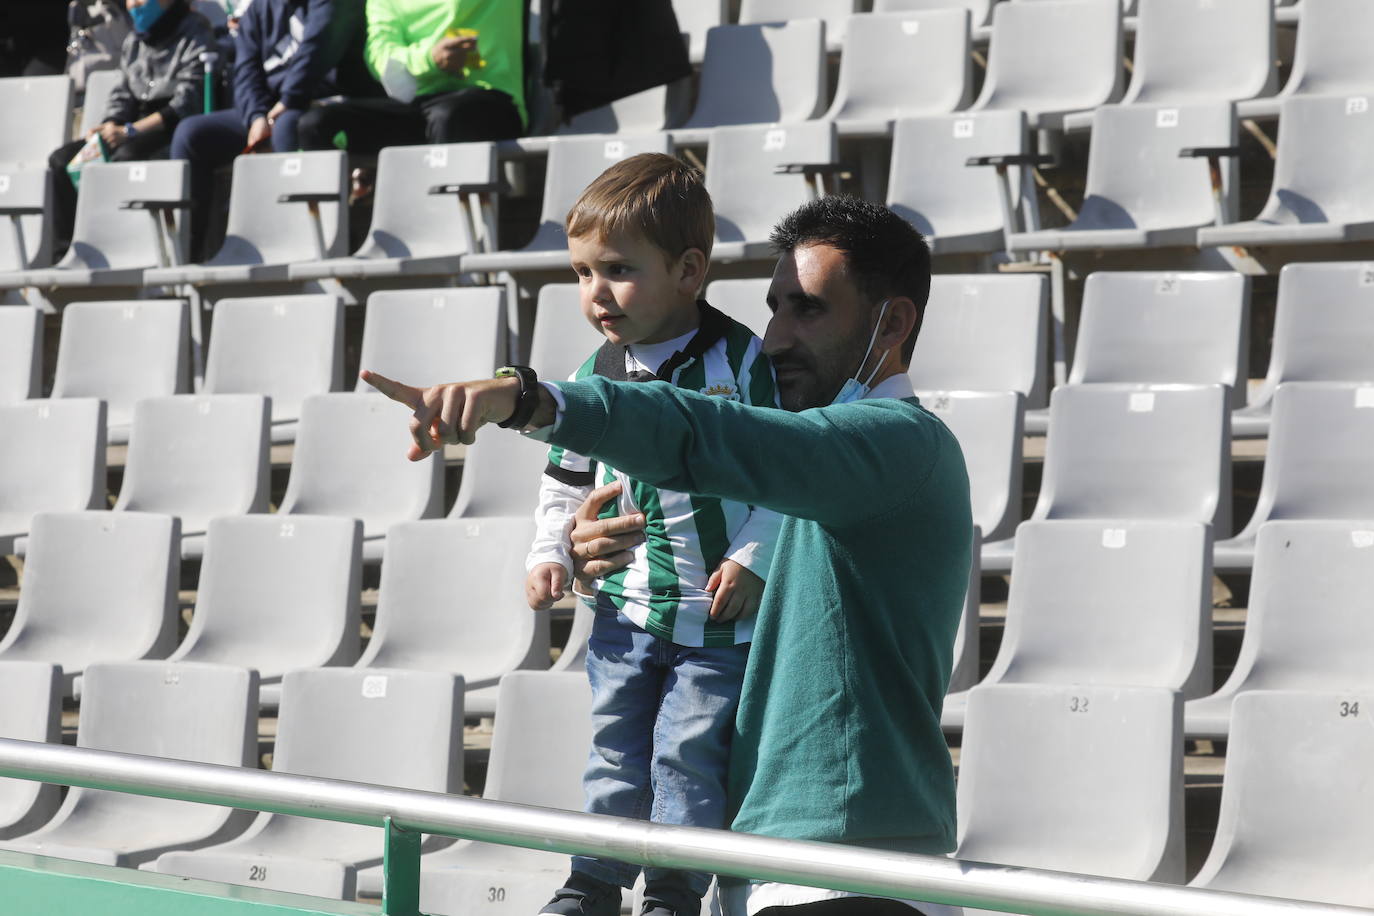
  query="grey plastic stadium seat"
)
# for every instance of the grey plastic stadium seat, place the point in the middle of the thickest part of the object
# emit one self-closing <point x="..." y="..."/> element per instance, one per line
<point x="43" y="105"/>
<point x="95" y="100"/>
<point x="1295" y="803"/>
<point x="1317" y="464"/>
<point x="25" y="214"/>
<point x="1140" y="192"/>
<point x="964" y="670"/>
<point x="122" y="352"/>
<point x="52" y="459"/>
<point x="1125" y="603"/>
<point x="1310" y="623"/>
<point x="930" y="185"/>
<point x="574" y="162"/>
<point x="834" y="13"/>
<point x="697" y="17"/>
<point x="985" y="332"/>
<point x="32" y="712"/>
<point x="277" y="594"/>
<point x="431" y="336"/>
<point x="419" y="711"/>
<point x="761" y="74"/>
<point x="538" y="752"/>
<point x="1190" y="52"/>
<point x="21" y="353"/>
<point x="902" y="65"/>
<point x="1097" y="787"/>
<point x="501" y="476"/>
<point x="351" y="461"/>
<point x="197" y="457"/>
<point x="285" y="347"/>
<point x="471" y="618"/>
<point x="1052" y="57"/>
<point x="746" y="301"/>
<point x="988" y="425"/>
<point x="203" y="713"/>
<point x="112" y="244"/>
<point x="1161" y="328"/>
<point x="563" y="338"/>
<point x="283" y="208"/>
<point x="1322" y="185"/>
<point x="979" y="10"/>
<point x="749" y="196"/>
<point x="1323" y="332"/>
<point x="415" y="232"/>
<point x="652" y="109"/>
<point x="69" y="613"/>
<point x="1330" y="57"/>
<point x="573" y="656"/>
<point x="1131" y="452"/>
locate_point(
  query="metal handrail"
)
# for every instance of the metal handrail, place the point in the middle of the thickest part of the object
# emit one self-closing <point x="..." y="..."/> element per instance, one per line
<point x="1035" y="892"/>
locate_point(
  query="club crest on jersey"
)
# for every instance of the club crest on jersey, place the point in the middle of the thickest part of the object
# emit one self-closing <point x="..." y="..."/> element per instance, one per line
<point x="721" y="389"/>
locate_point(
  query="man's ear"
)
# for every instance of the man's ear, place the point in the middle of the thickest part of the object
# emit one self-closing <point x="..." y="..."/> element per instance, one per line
<point x="898" y="323"/>
<point x="691" y="272"/>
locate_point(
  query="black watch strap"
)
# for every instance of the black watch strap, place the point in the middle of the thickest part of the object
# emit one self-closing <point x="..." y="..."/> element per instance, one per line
<point x="527" y="401"/>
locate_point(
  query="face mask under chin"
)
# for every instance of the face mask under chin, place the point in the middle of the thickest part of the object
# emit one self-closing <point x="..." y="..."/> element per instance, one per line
<point x="853" y="389"/>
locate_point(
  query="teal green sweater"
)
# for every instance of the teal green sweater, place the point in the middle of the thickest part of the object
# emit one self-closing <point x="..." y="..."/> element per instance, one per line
<point x="838" y="732"/>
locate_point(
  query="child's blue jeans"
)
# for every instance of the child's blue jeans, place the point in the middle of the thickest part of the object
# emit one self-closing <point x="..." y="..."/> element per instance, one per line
<point x="662" y="718"/>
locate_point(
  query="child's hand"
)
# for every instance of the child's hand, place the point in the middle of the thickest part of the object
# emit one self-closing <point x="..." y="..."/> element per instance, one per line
<point x="738" y="592"/>
<point x="544" y="585"/>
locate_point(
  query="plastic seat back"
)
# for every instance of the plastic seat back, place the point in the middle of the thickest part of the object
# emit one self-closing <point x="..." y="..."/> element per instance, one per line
<point x="33" y="712"/>
<point x="407" y="220"/>
<point x="21" y="354"/>
<point x="471" y="619"/>
<point x="1296" y="806"/>
<point x="264" y="229"/>
<point x="107" y="236"/>
<point x="52" y="459"/>
<point x="984" y="332"/>
<point x="1189" y="51"/>
<point x="988" y="425"/>
<point x="931" y="185"/>
<point x="198" y="457"/>
<point x="1123" y="602"/>
<point x="563" y="338"/>
<point x="834" y="13"/>
<point x="501" y="476"/>
<point x="431" y="336"/>
<point x="27" y="188"/>
<point x="1319" y="174"/>
<point x="1097" y="787"/>
<point x="978" y="10"/>
<point x="1053" y="56"/>
<point x="276" y="594"/>
<point x="351" y="461"/>
<point x="285" y="347"/>
<point x="1331" y="56"/>
<point x="122" y="352"/>
<point x="1165" y="328"/>
<point x="69" y="614"/>
<point x="95" y="101"/>
<point x="748" y="196"/>
<point x="1127" y="452"/>
<point x="746" y="301"/>
<point x="904" y="65"/>
<point x="43" y="104"/>
<point x="695" y="18"/>
<point x="762" y="74"/>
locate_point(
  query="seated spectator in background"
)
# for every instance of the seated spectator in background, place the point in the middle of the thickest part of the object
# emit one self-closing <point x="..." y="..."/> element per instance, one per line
<point x="162" y="80"/>
<point x="285" y="52"/>
<point x="451" y="68"/>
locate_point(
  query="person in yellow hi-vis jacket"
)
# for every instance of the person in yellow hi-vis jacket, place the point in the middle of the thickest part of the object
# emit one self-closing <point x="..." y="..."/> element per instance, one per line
<point x="452" y="71"/>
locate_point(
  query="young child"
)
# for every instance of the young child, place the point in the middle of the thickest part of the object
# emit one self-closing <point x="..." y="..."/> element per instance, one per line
<point x="671" y="634"/>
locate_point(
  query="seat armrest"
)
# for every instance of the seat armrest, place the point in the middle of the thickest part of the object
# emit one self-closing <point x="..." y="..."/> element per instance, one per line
<point x="809" y="168"/>
<point x="489" y="187"/>
<point x="308" y="197"/>
<point x="21" y="211"/>
<point x="1208" y="152"/>
<point x="155" y="205"/>
<point x="1016" y="159"/>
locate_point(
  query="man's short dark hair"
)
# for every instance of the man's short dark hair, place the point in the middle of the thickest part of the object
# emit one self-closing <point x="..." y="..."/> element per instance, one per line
<point x="885" y="253"/>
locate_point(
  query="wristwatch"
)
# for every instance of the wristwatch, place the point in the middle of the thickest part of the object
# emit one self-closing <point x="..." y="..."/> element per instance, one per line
<point x="527" y="401"/>
<point x="130" y="130"/>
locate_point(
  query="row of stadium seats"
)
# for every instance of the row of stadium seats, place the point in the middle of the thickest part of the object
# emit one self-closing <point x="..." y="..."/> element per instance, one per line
<point x="1092" y="761"/>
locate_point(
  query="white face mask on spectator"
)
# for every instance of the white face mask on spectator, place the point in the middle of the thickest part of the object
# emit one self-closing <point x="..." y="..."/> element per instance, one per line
<point x="853" y="389"/>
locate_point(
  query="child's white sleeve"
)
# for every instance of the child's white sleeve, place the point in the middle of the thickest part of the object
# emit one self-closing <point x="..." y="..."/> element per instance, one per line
<point x="753" y="546"/>
<point x="559" y="501"/>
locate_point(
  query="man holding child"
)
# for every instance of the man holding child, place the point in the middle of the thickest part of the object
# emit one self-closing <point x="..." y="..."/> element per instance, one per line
<point x="837" y="734"/>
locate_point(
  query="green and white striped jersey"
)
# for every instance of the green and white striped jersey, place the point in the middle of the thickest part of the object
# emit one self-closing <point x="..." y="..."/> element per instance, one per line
<point x="663" y="590"/>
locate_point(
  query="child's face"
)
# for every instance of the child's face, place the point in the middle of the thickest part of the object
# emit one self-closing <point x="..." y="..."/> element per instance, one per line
<point x="629" y="291"/>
